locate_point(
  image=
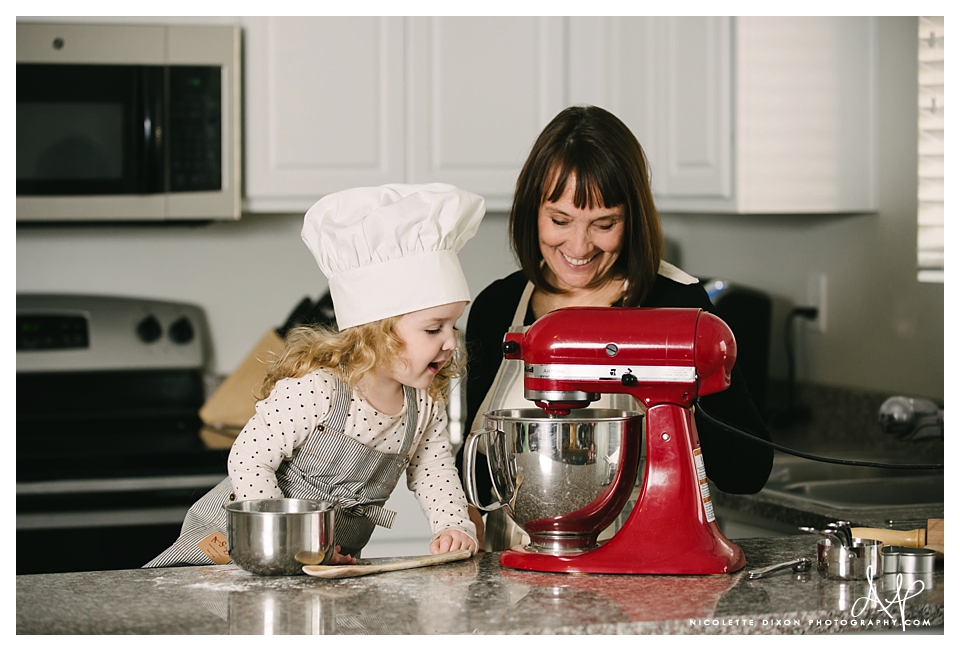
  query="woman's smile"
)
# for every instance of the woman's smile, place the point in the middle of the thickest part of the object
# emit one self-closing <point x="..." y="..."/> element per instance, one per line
<point x="576" y="262"/>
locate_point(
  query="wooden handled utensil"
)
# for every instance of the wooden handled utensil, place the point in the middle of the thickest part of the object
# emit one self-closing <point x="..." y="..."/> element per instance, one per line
<point x="935" y="535"/>
<point x="930" y="537"/>
<point x="346" y="571"/>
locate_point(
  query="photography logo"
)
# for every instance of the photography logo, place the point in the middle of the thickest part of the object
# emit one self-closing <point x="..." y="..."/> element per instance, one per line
<point x="895" y="604"/>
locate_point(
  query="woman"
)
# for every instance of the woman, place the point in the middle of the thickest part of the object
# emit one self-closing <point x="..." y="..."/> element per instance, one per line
<point x="586" y="232"/>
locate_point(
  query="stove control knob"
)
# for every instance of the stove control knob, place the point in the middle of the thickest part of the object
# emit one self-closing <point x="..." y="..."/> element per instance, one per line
<point x="149" y="329"/>
<point x="181" y="331"/>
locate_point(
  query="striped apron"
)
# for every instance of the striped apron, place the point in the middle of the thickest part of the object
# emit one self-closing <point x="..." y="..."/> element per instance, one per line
<point x="329" y="466"/>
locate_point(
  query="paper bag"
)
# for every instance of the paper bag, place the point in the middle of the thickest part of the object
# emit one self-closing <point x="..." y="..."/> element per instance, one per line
<point x="232" y="404"/>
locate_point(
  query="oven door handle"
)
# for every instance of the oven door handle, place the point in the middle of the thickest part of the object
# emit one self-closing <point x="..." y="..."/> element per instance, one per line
<point x="124" y="484"/>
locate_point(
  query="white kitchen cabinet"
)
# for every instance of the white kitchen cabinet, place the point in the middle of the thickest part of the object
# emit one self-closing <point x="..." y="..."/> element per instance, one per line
<point x="668" y="79"/>
<point x="481" y="90"/>
<point x="324" y="107"/>
<point x="762" y="115"/>
<point x="333" y="103"/>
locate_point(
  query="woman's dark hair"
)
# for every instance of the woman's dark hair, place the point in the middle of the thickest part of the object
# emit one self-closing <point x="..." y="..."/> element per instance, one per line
<point x="611" y="170"/>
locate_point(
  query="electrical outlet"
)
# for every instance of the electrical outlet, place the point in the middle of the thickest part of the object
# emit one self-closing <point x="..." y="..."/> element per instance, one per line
<point x="817" y="297"/>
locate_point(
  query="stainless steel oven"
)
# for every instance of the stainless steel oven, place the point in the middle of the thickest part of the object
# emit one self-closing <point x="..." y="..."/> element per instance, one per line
<point x="109" y="453"/>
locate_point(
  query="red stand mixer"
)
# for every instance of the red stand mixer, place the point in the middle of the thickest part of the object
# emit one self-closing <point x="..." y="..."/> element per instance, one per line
<point x="665" y="358"/>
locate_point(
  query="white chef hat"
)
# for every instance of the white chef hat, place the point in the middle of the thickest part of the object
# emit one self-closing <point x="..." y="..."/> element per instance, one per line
<point x="392" y="249"/>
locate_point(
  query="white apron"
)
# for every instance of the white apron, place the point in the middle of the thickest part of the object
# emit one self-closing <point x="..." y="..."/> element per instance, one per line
<point x="506" y="392"/>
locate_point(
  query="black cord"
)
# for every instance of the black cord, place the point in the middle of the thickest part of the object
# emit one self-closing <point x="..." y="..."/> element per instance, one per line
<point x="813" y="457"/>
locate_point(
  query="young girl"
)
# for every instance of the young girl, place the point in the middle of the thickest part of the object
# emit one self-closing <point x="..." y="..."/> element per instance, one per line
<point x="345" y="413"/>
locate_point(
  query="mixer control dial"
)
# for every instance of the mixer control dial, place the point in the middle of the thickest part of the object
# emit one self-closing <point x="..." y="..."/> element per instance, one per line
<point x="149" y="329"/>
<point x="629" y="380"/>
<point x="510" y="348"/>
<point x="181" y="331"/>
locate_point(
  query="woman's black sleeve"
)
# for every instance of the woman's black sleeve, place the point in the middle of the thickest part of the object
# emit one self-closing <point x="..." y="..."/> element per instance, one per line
<point x="733" y="462"/>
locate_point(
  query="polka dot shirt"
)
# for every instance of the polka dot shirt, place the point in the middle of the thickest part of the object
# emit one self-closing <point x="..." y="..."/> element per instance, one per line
<point x="292" y="411"/>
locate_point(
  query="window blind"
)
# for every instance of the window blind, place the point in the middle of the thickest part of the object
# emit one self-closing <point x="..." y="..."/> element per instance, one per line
<point x="930" y="151"/>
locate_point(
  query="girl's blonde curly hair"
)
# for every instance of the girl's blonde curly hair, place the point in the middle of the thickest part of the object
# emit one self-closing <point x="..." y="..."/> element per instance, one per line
<point x="351" y="353"/>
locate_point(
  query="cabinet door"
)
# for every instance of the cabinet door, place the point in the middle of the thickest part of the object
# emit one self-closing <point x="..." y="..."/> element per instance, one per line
<point x="324" y="107"/>
<point x="613" y="65"/>
<point x="482" y="88"/>
<point x="806" y="114"/>
<point x="756" y="114"/>
<point x="668" y="79"/>
<point x="694" y="151"/>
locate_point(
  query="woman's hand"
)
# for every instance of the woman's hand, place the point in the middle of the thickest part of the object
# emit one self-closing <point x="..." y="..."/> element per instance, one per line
<point x="341" y="559"/>
<point x="452" y="540"/>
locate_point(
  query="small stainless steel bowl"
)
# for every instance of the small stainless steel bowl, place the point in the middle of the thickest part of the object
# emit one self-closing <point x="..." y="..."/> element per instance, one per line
<point x="279" y="536"/>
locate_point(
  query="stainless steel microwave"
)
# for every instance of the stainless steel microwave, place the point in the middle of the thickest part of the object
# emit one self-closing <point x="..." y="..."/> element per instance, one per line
<point x="124" y="122"/>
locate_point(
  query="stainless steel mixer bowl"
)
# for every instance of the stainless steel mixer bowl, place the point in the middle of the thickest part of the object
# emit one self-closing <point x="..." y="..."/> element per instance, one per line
<point x="562" y="479"/>
<point x="279" y="536"/>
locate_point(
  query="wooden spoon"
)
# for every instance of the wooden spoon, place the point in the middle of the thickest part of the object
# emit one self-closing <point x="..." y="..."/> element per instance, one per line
<point x="344" y="571"/>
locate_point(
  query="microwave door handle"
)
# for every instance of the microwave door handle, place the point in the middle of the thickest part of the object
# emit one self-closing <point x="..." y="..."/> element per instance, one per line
<point x="150" y="131"/>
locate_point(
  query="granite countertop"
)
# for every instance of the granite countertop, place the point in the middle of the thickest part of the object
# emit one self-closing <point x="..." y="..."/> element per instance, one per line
<point x="476" y="596"/>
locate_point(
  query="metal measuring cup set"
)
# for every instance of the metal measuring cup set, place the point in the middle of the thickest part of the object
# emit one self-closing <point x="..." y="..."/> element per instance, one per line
<point x="842" y="556"/>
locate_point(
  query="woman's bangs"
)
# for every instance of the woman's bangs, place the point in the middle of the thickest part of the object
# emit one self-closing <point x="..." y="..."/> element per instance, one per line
<point x="595" y="185"/>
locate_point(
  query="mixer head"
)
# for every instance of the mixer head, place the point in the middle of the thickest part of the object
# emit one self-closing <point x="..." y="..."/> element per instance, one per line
<point x="658" y="355"/>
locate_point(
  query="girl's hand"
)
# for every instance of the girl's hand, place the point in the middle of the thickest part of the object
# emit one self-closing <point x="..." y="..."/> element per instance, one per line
<point x="452" y="540"/>
<point x="340" y="559"/>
